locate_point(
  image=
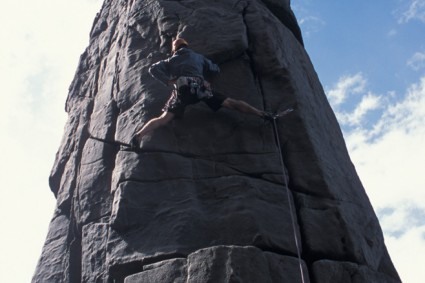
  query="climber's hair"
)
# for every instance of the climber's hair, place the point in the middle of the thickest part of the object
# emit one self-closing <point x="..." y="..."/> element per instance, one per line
<point x="179" y="43"/>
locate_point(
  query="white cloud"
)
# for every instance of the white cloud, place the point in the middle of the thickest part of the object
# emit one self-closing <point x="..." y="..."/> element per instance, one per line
<point x="392" y="32"/>
<point x="397" y="222"/>
<point x="311" y="24"/>
<point x="308" y="21"/>
<point x="368" y="103"/>
<point x="38" y="58"/>
<point x="389" y="153"/>
<point x="414" y="11"/>
<point x="407" y="254"/>
<point x="389" y="156"/>
<point x="351" y="90"/>
<point x="417" y="61"/>
<point x="345" y="87"/>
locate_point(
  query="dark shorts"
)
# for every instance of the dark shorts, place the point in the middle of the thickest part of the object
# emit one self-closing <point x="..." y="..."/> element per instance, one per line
<point x="184" y="97"/>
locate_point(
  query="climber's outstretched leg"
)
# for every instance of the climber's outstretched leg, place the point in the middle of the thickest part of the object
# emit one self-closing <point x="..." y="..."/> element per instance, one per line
<point x="153" y="124"/>
<point x="242" y="106"/>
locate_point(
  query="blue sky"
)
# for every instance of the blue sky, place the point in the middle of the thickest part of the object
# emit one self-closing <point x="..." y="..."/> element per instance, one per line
<point x="370" y="58"/>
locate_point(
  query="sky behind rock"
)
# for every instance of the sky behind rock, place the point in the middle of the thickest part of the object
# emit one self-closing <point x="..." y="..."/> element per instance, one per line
<point x="370" y="58"/>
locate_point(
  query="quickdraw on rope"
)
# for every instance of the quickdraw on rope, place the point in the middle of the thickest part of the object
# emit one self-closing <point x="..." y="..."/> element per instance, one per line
<point x="285" y="179"/>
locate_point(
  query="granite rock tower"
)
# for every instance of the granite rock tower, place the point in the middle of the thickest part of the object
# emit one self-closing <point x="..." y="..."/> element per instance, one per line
<point x="205" y="198"/>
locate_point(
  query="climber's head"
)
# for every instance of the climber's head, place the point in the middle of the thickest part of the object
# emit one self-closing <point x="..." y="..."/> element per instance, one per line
<point x="179" y="43"/>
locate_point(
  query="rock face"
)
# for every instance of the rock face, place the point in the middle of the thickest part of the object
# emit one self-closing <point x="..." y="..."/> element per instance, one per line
<point x="204" y="199"/>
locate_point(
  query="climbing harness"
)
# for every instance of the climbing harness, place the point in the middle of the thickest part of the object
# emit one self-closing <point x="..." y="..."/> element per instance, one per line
<point x="197" y="86"/>
<point x="285" y="179"/>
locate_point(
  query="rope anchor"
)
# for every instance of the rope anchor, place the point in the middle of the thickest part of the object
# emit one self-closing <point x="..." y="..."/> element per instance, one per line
<point x="274" y="116"/>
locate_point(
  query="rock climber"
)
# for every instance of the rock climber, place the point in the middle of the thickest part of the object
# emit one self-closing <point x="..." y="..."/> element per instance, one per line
<point x="185" y="71"/>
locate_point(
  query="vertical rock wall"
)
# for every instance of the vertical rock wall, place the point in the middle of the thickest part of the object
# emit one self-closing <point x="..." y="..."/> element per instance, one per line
<point x="204" y="199"/>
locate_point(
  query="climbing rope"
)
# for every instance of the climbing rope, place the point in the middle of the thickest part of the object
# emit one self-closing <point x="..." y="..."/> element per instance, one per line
<point x="285" y="179"/>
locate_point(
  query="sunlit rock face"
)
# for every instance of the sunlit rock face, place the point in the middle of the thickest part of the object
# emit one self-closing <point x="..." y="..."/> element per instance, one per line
<point x="204" y="199"/>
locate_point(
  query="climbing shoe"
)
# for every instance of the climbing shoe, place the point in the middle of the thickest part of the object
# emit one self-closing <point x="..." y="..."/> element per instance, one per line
<point x="283" y="113"/>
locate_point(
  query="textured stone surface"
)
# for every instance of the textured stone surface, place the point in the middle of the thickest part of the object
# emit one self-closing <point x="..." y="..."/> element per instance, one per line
<point x="196" y="214"/>
<point x="93" y="255"/>
<point x="326" y="271"/>
<point x="224" y="264"/>
<point x="347" y="231"/>
<point x="55" y="257"/>
<point x="173" y="270"/>
<point x="204" y="198"/>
